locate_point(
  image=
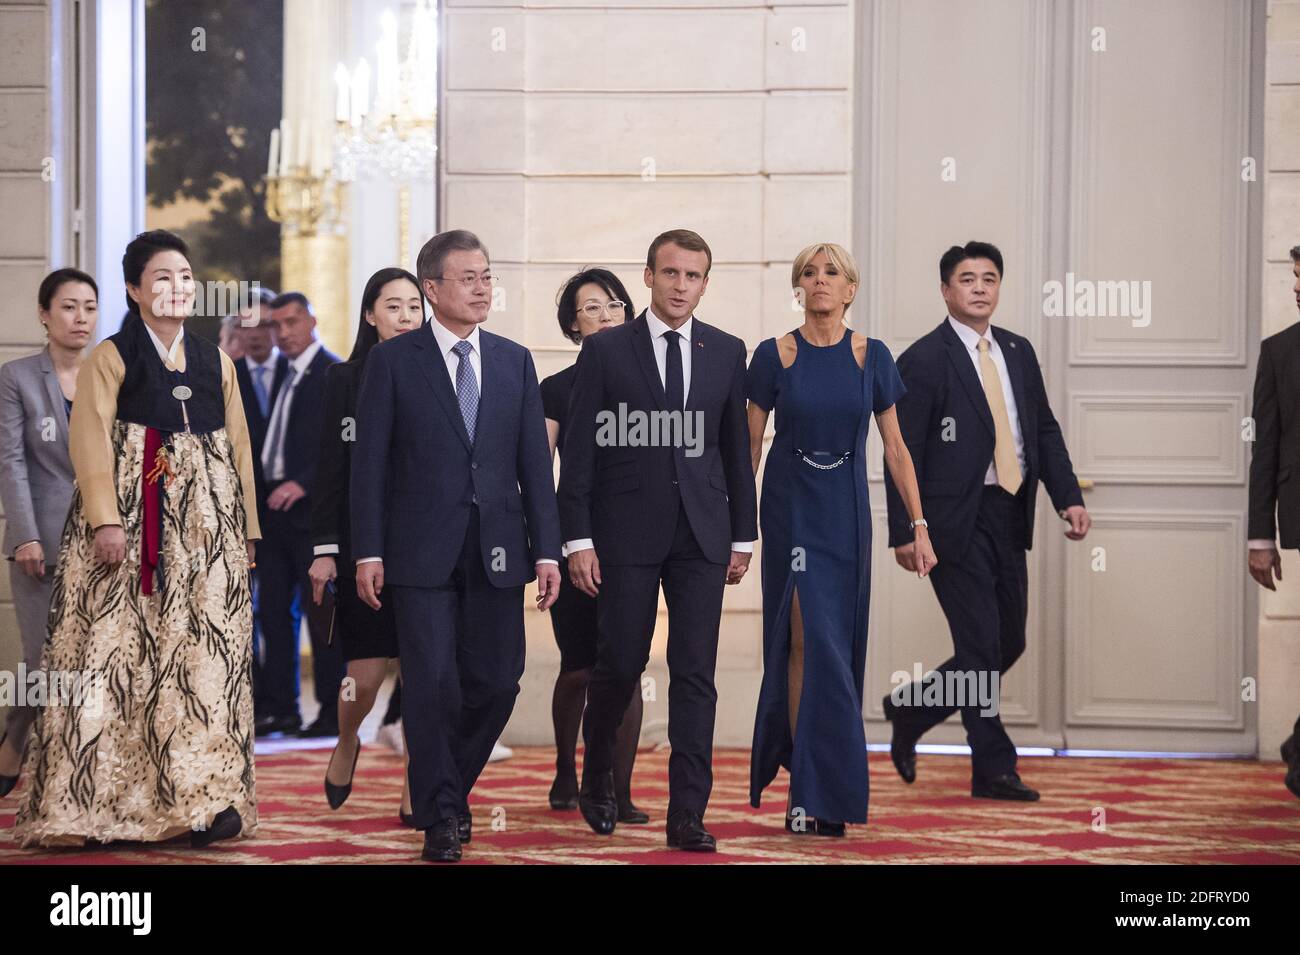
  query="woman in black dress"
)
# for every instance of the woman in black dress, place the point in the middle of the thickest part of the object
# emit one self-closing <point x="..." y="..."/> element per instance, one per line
<point x="590" y="302"/>
<point x="390" y="306"/>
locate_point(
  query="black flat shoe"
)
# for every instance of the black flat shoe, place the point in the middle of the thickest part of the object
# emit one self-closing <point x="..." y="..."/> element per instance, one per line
<point x="7" y="783"/>
<point x="406" y="818"/>
<point x="1008" y="787"/>
<point x="630" y="814"/>
<point x="686" y="832"/>
<point x="320" y="728"/>
<point x="225" y="825"/>
<point x="275" y="725"/>
<point x="441" y="843"/>
<point x="338" y="795"/>
<point x="562" y="798"/>
<point x="833" y="829"/>
<point x="599" y="807"/>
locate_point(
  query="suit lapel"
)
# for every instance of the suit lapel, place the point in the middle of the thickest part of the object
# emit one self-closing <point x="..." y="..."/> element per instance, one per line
<point x="52" y="387"/>
<point x="697" y="362"/>
<point x="960" y="358"/>
<point x="435" y="372"/>
<point x="489" y="358"/>
<point x="645" y="353"/>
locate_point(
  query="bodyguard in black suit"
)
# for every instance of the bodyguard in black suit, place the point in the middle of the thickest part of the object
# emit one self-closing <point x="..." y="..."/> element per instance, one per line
<point x="259" y="373"/>
<point x="453" y="512"/>
<point x="289" y="451"/>
<point x="1275" y="473"/>
<point x="640" y="511"/>
<point x="977" y="423"/>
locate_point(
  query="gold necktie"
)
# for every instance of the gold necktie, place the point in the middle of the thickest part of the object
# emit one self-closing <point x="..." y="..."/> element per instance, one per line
<point x="1004" y="450"/>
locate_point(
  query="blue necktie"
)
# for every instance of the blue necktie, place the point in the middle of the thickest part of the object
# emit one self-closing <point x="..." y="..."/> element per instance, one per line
<point x="466" y="387"/>
<point x="259" y="389"/>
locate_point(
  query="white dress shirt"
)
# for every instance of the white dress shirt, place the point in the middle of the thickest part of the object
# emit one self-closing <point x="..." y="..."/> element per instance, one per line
<point x="273" y="456"/>
<point x="970" y="338"/>
<point x="657" y="331"/>
<point x="447" y="341"/>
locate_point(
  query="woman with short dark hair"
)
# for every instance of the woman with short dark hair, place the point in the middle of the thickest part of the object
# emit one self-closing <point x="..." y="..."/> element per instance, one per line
<point x="589" y="302"/>
<point x="36" y="395"/>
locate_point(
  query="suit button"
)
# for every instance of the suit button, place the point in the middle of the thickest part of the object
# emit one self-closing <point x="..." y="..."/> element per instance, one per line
<point x="473" y="465"/>
<point x="674" y="484"/>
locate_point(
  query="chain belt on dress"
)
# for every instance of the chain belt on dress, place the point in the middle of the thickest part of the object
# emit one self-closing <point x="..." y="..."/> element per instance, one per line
<point x="843" y="456"/>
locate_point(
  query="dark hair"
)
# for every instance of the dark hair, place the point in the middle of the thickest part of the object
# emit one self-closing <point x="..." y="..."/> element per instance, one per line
<point x="56" y="280"/>
<point x="971" y="250"/>
<point x="1295" y="253"/>
<point x="428" y="265"/>
<point x="291" y="298"/>
<point x="138" y="253"/>
<point x="566" y="302"/>
<point x="367" y="334"/>
<point x="688" y="240"/>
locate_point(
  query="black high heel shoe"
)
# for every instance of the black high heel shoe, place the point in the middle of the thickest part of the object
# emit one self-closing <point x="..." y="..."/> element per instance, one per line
<point x="338" y="795"/>
<point x="225" y="825"/>
<point x="7" y="783"/>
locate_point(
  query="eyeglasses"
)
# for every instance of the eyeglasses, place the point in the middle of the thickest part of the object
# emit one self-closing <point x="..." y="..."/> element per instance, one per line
<point x="593" y="309"/>
<point x="467" y="281"/>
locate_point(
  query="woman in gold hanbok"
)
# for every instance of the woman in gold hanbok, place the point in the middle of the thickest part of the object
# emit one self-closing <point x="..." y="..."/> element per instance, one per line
<point x="151" y="616"/>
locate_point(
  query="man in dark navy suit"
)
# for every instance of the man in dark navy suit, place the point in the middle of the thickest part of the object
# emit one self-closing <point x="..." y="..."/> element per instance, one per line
<point x="453" y="512"/>
<point x="981" y="434"/>
<point x="259" y="373"/>
<point x="670" y="503"/>
<point x="288" y="461"/>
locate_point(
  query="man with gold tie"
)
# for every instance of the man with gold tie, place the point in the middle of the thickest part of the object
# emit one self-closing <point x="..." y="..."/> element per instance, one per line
<point x="982" y="435"/>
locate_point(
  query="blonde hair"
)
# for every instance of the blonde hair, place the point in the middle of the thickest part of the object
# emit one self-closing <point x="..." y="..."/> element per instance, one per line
<point x="838" y="256"/>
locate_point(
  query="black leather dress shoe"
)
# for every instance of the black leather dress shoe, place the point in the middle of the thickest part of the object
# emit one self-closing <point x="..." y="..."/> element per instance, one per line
<point x="630" y="814"/>
<point x="441" y="842"/>
<point x="225" y="825"/>
<point x="832" y="829"/>
<point x="686" y="832"/>
<point x="1288" y="750"/>
<point x="338" y="795"/>
<point x="464" y="827"/>
<point x="7" y="783"/>
<point x="320" y="728"/>
<point x="598" y="805"/>
<point x="1003" y="787"/>
<point x="270" y="725"/>
<point x="902" y="744"/>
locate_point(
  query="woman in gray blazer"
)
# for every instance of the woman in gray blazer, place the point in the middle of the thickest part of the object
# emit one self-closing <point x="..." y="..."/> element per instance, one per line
<point x="36" y="474"/>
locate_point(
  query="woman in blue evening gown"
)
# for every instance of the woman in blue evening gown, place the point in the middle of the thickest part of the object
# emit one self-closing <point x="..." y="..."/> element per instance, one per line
<point x="825" y="383"/>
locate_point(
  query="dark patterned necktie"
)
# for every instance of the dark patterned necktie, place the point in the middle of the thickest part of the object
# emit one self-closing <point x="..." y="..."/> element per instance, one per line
<point x="674" y="390"/>
<point x="466" y="387"/>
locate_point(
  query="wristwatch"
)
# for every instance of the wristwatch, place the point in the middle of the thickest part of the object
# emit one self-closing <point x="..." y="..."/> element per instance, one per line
<point x="919" y="522"/>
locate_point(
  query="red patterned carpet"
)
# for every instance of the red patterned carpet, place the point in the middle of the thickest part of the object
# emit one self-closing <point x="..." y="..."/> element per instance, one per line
<point x="1165" y="811"/>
